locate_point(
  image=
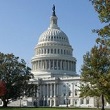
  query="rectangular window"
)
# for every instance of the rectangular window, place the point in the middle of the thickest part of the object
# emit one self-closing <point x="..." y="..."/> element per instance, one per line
<point x="75" y="92"/>
<point x="87" y="101"/>
<point x="81" y="101"/>
<point x="69" y="93"/>
<point x="75" y="102"/>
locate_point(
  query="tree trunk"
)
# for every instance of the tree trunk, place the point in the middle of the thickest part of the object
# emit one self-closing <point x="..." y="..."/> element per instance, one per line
<point x="103" y="103"/>
<point x="5" y="102"/>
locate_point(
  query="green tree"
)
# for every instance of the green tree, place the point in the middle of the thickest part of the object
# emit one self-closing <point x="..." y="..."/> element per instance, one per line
<point x="96" y="67"/>
<point x="102" y="7"/>
<point x="15" y="74"/>
<point x="95" y="73"/>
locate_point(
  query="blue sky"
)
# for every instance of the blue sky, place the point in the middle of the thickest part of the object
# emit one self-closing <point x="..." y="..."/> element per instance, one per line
<point x="22" y="22"/>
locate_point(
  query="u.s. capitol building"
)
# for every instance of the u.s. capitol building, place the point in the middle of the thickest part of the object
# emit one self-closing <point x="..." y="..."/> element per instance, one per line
<point x="54" y="69"/>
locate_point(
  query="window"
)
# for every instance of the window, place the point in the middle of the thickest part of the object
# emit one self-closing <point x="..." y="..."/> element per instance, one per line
<point x="87" y="101"/>
<point x="64" y="51"/>
<point x="81" y="101"/>
<point x="52" y="38"/>
<point x="55" y="64"/>
<point x="75" y="102"/>
<point x="51" y="64"/>
<point x="48" y="50"/>
<point x="58" y="51"/>
<point x="61" y="51"/>
<point x="75" y="92"/>
<point x="69" y="93"/>
<point x="47" y="62"/>
<point x="68" y="101"/>
<point x="59" y="64"/>
<point x="64" y="102"/>
<point x="51" y="50"/>
<point x="45" y="51"/>
<point x="55" y="51"/>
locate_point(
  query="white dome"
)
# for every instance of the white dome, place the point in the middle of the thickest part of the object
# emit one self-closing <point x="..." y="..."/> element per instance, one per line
<point x="53" y="53"/>
<point x="53" y="35"/>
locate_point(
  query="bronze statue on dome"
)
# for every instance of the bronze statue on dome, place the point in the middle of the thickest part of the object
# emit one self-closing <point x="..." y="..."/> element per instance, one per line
<point x="53" y="14"/>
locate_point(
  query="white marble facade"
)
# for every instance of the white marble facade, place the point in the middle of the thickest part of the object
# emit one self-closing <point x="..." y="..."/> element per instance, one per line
<point x="54" y="69"/>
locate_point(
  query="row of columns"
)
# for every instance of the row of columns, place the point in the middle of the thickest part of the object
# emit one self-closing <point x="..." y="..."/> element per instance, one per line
<point x="53" y="64"/>
<point x="48" y="90"/>
<point x="48" y="93"/>
<point x="53" y="51"/>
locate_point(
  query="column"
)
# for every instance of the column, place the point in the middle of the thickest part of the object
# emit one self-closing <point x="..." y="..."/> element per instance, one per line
<point x="68" y="65"/>
<point x="71" y="65"/>
<point x="43" y="90"/>
<point x="47" y="94"/>
<point x="50" y="102"/>
<point x="54" y="94"/>
<point x="53" y="64"/>
<point x="50" y="90"/>
<point x="32" y="67"/>
<point x="57" y="65"/>
<point x="40" y="91"/>
<point x="75" y="66"/>
<point x="45" y="64"/>
<point x="73" y="94"/>
<point x="61" y="65"/>
<point x="41" y="64"/>
<point x="49" y="64"/>
<point x="57" y="89"/>
<point x="36" y="65"/>
<point x="54" y="90"/>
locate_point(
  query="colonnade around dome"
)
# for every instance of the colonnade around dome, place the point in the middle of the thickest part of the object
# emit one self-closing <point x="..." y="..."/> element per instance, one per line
<point x="54" y="64"/>
<point x="44" y="50"/>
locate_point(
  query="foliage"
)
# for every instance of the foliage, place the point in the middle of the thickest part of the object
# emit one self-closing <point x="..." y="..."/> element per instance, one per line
<point x="102" y="7"/>
<point x="15" y="74"/>
<point x="96" y="70"/>
<point x="96" y="67"/>
<point x="95" y="73"/>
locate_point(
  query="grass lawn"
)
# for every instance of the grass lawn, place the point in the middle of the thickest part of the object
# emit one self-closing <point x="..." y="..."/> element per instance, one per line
<point x="9" y="108"/>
